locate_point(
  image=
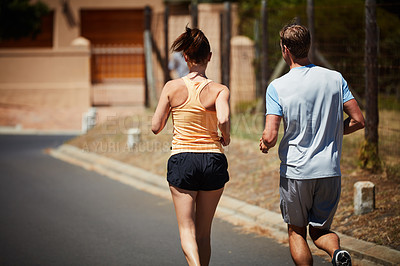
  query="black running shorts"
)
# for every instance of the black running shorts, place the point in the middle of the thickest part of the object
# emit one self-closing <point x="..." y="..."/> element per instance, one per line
<point x="198" y="171"/>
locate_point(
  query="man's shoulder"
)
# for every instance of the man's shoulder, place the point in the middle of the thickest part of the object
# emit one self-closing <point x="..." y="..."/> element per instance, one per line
<point x="293" y="79"/>
<point x="326" y="71"/>
<point x="281" y="79"/>
<point x="283" y="82"/>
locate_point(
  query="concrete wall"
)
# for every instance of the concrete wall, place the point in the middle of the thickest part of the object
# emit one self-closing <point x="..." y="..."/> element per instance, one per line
<point x="62" y="76"/>
<point x="45" y="88"/>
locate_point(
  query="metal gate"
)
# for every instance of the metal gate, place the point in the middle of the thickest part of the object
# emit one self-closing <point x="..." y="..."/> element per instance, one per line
<point x="117" y="62"/>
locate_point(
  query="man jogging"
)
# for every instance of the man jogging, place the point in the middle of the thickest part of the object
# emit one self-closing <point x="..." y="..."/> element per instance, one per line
<point x="311" y="101"/>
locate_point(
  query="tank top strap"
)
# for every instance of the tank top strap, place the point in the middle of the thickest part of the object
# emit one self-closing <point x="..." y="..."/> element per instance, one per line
<point x="201" y="86"/>
<point x="194" y="88"/>
<point x="190" y="86"/>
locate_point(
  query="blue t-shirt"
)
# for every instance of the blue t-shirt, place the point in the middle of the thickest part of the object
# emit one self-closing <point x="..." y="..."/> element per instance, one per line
<point x="310" y="100"/>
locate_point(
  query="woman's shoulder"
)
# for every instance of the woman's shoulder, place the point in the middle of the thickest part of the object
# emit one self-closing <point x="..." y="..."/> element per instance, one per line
<point x="174" y="84"/>
<point x="174" y="87"/>
<point x="218" y="86"/>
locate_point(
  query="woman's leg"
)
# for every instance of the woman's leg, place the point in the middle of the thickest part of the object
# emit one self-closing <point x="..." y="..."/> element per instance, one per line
<point x="206" y="204"/>
<point x="184" y="202"/>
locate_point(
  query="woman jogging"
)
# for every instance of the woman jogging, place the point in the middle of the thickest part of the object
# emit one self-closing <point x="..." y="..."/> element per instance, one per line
<point x="197" y="168"/>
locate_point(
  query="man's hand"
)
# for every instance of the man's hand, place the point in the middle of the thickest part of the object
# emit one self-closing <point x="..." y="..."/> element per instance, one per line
<point x="270" y="133"/>
<point x="263" y="147"/>
<point x="225" y="142"/>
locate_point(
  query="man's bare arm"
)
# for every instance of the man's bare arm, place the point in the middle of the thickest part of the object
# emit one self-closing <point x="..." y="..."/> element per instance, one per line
<point x="270" y="133"/>
<point x="355" y="121"/>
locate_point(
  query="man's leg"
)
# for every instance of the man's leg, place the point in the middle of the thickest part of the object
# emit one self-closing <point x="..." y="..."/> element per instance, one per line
<point x="299" y="249"/>
<point x="325" y="240"/>
<point x="323" y="211"/>
<point x="330" y="242"/>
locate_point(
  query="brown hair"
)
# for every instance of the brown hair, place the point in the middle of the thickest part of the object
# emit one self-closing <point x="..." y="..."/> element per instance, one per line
<point x="297" y="39"/>
<point x="194" y="44"/>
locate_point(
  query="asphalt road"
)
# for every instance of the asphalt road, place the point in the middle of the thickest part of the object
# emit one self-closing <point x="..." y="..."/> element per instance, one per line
<point x="54" y="213"/>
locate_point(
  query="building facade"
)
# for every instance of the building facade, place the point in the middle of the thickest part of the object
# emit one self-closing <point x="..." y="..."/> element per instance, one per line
<point x="91" y="53"/>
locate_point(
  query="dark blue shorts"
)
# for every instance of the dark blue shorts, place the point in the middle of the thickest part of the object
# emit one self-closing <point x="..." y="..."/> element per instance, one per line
<point x="198" y="171"/>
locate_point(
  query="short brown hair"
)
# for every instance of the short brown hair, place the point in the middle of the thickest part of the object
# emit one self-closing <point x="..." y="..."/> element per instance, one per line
<point x="194" y="44"/>
<point x="297" y="39"/>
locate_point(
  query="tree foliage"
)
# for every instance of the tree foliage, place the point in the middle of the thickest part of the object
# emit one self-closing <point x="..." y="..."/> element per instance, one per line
<point x="339" y="35"/>
<point x="20" y="18"/>
<point x="391" y="6"/>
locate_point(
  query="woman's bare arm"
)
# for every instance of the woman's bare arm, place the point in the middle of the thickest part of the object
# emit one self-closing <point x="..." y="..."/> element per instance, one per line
<point x="223" y="115"/>
<point x="161" y="114"/>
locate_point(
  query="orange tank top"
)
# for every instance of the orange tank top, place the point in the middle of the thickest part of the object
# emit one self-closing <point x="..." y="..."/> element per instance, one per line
<point x="195" y="127"/>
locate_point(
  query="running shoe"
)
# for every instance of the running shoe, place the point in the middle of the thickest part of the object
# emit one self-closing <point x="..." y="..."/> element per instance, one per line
<point x="341" y="258"/>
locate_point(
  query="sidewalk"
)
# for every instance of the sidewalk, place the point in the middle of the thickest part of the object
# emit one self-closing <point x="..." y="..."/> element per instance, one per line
<point x="45" y="120"/>
<point x="232" y="210"/>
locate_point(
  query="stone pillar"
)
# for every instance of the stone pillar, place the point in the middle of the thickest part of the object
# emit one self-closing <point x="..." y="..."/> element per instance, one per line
<point x="133" y="137"/>
<point x="243" y="80"/>
<point x="364" y="197"/>
<point x="89" y="120"/>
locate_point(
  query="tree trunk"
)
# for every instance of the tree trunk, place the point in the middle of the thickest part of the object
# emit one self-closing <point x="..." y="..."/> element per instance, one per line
<point x="369" y="154"/>
<point x="226" y="52"/>
<point x="264" y="47"/>
<point x="166" y="47"/>
<point x="194" y="12"/>
<point x="311" y="28"/>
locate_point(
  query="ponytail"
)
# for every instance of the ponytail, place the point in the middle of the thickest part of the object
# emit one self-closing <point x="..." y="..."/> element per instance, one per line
<point x="194" y="44"/>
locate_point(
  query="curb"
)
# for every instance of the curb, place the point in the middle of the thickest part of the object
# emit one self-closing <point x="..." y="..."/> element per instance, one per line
<point x="18" y="130"/>
<point x="229" y="209"/>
